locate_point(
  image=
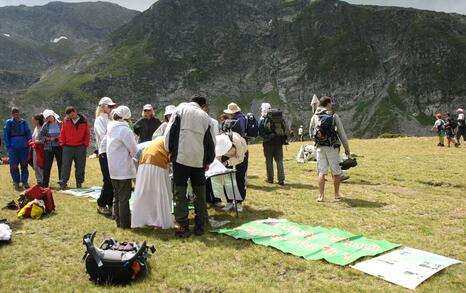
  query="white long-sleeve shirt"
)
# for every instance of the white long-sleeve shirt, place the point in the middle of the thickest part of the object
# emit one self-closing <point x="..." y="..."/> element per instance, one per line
<point x="121" y="148"/>
<point x="100" y="130"/>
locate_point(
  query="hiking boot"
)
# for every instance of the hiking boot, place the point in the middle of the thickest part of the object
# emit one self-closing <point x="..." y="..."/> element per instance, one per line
<point x="198" y="230"/>
<point x="104" y="211"/>
<point x="17" y="186"/>
<point x="239" y="206"/>
<point x="62" y="187"/>
<point x="228" y="207"/>
<point x="182" y="232"/>
<point x="26" y="185"/>
<point x="79" y="185"/>
<point x="281" y="183"/>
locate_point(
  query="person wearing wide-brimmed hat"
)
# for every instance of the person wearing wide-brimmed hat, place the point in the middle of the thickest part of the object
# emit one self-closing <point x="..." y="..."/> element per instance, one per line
<point x="166" y="115"/>
<point x="105" y="201"/>
<point x="49" y="135"/>
<point x="461" y="131"/>
<point x="147" y="124"/>
<point x="233" y="111"/>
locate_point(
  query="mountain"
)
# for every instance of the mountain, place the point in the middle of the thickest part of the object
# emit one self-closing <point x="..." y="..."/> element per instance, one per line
<point x="389" y="68"/>
<point x="32" y="39"/>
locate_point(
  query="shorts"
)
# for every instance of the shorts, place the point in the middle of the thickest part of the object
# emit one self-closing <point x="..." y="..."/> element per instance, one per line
<point x="328" y="157"/>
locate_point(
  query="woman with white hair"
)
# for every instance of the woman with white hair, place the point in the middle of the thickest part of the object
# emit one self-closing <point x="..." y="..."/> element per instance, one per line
<point x="49" y="135"/>
<point x="105" y="201"/>
<point x="121" y="148"/>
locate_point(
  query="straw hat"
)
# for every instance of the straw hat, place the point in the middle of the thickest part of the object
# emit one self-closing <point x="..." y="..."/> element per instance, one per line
<point x="232" y="109"/>
<point x="223" y="145"/>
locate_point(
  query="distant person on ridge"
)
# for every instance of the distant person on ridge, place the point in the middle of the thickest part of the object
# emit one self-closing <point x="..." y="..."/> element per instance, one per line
<point x="461" y="131"/>
<point x="439" y="127"/>
<point x="326" y="129"/>
<point x="147" y="124"/>
<point x="16" y="135"/>
<point x="74" y="139"/>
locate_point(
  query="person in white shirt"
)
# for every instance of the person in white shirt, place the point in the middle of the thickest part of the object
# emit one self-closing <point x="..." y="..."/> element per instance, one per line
<point x="105" y="201"/>
<point x="461" y="131"/>
<point x="301" y="133"/>
<point x="121" y="148"/>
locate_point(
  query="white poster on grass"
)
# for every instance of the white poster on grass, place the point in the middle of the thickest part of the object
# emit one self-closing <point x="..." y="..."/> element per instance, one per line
<point x="407" y="267"/>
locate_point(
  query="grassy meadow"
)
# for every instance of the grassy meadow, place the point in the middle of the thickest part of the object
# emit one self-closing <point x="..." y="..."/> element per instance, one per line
<point x="405" y="190"/>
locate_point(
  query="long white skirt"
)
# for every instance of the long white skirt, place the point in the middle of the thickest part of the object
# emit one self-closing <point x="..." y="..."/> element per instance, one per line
<point x="152" y="198"/>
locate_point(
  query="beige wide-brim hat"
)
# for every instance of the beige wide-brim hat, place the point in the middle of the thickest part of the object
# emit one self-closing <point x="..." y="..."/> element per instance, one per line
<point x="223" y="145"/>
<point x="232" y="109"/>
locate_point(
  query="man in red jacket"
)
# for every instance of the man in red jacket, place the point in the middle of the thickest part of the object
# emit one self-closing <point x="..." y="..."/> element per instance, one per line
<point x="74" y="139"/>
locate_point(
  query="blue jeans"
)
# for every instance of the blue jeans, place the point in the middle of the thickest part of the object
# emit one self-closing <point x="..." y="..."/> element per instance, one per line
<point x="18" y="157"/>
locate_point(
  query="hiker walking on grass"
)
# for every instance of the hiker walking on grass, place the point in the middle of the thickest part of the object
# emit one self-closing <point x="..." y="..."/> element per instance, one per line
<point x="37" y="148"/>
<point x="461" y="131"/>
<point x="16" y="135"/>
<point x="147" y="124"/>
<point x="74" y="139"/>
<point x="439" y="127"/>
<point x="190" y="141"/>
<point x="121" y="149"/>
<point x="272" y="130"/>
<point x="105" y="201"/>
<point x="49" y="135"/>
<point x="326" y="129"/>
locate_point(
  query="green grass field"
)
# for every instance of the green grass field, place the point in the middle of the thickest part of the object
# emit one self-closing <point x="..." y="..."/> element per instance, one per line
<point x="405" y="190"/>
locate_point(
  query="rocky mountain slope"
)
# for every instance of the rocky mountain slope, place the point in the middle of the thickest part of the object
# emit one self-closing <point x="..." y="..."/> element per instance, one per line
<point x="32" y="39"/>
<point x="389" y="68"/>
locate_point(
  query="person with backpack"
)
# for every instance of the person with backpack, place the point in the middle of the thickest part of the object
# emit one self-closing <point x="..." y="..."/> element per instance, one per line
<point x="190" y="141"/>
<point x="105" y="200"/>
<point x="326" y="129"/>
<point x="74" y="139"/>
<point x="461" y="131"/>
<point x="49" y="135"/>
<point x="450" y="126"/>
<point x="439" y="127"/>
<point x="16" y="136"/>
<point x="272" y="130"/>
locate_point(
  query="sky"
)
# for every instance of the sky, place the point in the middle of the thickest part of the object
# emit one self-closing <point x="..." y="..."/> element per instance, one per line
<point x="458" y="6"/>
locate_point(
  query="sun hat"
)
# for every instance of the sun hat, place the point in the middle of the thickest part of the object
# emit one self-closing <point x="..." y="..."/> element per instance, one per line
<point x="47" y="113"/>
<point x="106" y="101"/>
<point x="147" y="107"/>
<point x="123" y="111"/>
<point x="223" y="145"/>
<point x="265" y="107"/>
<point x="169" y="110"/>
<point x="232" y="109"/>
<point x="460" y="110"/>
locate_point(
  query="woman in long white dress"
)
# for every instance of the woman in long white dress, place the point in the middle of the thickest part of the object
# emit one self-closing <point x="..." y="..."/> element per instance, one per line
<point x="153" y="195"/>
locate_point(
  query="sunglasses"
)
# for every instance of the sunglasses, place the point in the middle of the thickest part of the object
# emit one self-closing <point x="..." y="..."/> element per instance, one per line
<point x="147" y="110"/>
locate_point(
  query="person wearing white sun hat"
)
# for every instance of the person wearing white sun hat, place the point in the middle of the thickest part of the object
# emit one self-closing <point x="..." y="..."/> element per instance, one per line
<point x="461" y="131"/>
<point x="167" y="115"/>
<point x="49" y="136"/>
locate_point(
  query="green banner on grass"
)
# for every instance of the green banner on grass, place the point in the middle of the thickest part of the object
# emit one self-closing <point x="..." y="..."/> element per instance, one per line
<point x="312" y="243"/>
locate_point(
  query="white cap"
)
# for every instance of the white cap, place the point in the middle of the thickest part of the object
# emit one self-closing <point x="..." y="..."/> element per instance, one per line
<point x="106" y="101"/>
<point x="265" y="107"/>
<point x="459" y="110"/>
<point x="47" y="113"/>
<point x="169" y="110"/>
<point x="223" y="144"/>
<point x="123" y="111"/>
<point x="147" y="107"/>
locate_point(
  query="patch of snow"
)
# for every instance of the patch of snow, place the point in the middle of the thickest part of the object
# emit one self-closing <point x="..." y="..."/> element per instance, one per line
<point x="56" y="40"/>
<point x="7" y="35"/>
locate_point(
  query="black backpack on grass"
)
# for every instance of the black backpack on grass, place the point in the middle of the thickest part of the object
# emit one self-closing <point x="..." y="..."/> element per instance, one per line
<point x="113" y="262"/>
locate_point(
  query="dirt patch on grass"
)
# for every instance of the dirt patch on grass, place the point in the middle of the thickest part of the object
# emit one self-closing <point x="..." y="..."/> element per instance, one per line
<point x="440" y="184"/>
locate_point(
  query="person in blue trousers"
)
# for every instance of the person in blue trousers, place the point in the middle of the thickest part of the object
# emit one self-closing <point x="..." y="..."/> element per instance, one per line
<point x="16" y="135"/>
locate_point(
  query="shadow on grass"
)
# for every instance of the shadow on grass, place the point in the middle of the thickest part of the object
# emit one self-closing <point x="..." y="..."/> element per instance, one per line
<point x="274" y="187"/>
<point x="361" y="203"/>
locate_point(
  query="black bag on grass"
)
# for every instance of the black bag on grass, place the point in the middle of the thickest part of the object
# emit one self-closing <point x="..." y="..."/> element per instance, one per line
<point x="113" y="262"/>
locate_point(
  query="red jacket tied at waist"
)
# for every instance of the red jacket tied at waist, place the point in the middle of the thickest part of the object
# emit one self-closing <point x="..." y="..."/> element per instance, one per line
<point x="74" y="134"/>
<point x="40" y="154"/>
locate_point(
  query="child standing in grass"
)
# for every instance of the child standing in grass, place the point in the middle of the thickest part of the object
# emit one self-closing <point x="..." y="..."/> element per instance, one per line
<point x="439" y="127"/>
<point x="450" y="130"/>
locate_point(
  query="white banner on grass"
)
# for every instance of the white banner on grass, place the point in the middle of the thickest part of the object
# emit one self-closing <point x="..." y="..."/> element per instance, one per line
<point x="407" y="267"/>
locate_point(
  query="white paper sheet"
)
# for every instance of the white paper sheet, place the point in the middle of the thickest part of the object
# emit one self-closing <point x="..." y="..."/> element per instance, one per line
<point x="406" y="267"/>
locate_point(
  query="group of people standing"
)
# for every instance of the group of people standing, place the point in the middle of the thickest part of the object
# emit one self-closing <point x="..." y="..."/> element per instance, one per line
<point x="446" y="126"/>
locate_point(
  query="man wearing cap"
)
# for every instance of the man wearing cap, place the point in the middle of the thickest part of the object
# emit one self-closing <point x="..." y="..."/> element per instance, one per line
<point x="49" y="135"/>
<point x="147" y="124"/>
<point x="105" y="201"/>
<point x="74" y="139"/>
<point x="461" y="131"/>
<point x="16" y="135"/>
<point x="167" y="114"/>
<point x="121" y="148"/>
<point x="190" y="141"/>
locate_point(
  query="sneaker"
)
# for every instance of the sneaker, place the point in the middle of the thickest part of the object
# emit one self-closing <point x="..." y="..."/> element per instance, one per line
<point x="239" y="206"/>
<point x="104" y="211"/>
<point x="26" y="185"/>
<point x="281" y="183"/>
<point x="182" y="232"/>
<point x="198" y="230"/>
<point x="228" y="207"/>
<point x="79" y="185"/>
<point x="62" y="187"/>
